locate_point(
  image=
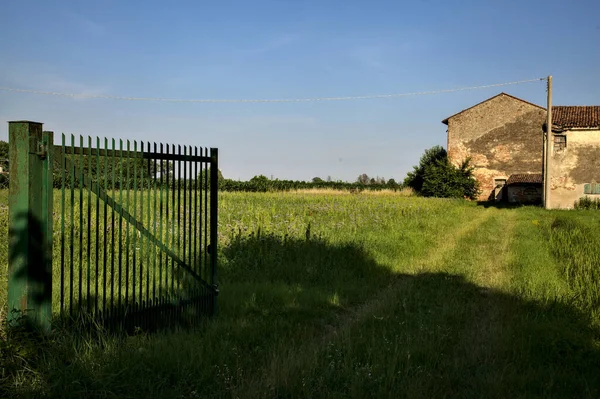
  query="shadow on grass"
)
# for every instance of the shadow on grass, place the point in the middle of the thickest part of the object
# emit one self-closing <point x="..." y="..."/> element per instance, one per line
<point x="270" y="273"/>
<point x="291" y="324"/>
<point x="503" y="204"/>
<point x="439" y="335"/>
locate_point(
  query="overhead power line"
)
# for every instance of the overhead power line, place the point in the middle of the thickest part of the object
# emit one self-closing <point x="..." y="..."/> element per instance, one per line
<point x="289" y="100"/>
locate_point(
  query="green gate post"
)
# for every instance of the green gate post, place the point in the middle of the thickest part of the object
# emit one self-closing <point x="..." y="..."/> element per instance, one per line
<point x="30" y="225"/>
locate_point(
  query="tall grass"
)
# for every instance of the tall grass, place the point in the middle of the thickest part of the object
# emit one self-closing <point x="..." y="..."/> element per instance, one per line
<point x="575" y="243"/>
<point x="362" y="295"/>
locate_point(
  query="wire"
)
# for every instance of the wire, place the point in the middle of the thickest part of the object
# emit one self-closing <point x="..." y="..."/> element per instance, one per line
<point x="291" y="100"/>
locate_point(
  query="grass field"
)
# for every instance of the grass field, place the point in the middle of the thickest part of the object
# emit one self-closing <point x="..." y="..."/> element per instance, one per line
<point x="359" y="295"/>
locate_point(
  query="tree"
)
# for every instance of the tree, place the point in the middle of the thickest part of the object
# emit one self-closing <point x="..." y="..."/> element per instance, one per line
<point x="260" y="183"/>
<point x="317" y="180"/>
<point x="414" y="179"/>
<point x="363" y="179"/>
<point x="391" y="183"/>
<point x="436" y="176"/>
<point x="4" y="155"/>
<point x="205" y="173"/>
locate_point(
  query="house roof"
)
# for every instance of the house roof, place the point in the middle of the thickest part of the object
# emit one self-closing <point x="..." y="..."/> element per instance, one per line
<point x="445" y="121"/>
<point x="563" y="116"/>
<point x="576" y="116"/>
<point x="525" y="178"/>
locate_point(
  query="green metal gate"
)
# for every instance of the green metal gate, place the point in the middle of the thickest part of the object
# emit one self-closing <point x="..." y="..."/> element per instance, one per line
<point x="133" y="242"/>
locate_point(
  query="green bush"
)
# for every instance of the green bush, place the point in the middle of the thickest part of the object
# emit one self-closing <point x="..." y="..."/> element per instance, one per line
<point x="436" y="176"/>
<point x="587" y="203"/>
<point x="4" y="179"/>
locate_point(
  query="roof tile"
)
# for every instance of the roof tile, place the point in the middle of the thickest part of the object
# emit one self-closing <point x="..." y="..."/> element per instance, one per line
<point x="576" y="116"/>
<point x="520" y="178"/>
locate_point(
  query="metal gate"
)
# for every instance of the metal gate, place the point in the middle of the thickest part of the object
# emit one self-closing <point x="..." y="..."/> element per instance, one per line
<point x="134" y="235"/>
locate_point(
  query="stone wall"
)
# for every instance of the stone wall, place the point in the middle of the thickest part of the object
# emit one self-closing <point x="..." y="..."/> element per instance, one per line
<point x="502" y="136"/>
<point x="525" y="194"/>
<point x="574" y="167"/>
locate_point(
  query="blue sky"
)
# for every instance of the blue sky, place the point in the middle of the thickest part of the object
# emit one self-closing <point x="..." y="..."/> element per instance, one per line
<point x="290" y="49"/>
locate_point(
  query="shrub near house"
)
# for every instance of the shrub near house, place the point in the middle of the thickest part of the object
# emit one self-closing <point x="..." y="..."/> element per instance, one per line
<point x="435" y="176"/>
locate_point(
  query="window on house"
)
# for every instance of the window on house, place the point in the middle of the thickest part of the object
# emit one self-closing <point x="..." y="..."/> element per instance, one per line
<point x="591" y="188"/>
<point x="560" y="142"/>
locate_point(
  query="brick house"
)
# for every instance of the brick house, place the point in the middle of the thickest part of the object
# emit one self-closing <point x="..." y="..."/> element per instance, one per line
<point x="503" y="136"/>
<point x="575" y="160"/>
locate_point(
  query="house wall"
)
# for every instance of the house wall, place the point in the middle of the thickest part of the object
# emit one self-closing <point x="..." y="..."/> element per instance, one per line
<point x="573" y="167"/>
<point x="525" y="194"/>
<point x="502" y="136"/>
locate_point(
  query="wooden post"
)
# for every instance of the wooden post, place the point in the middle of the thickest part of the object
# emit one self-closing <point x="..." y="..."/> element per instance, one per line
<point x="548" y="148"/>
<point x="30" y="225"/>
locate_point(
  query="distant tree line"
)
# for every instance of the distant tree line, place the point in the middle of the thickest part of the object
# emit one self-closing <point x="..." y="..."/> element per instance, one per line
<point x="262" y="183"/>
<point x="435" y="176"/>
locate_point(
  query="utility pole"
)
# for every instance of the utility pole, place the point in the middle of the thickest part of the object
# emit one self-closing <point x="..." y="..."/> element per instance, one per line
<point x="548" y="147"/>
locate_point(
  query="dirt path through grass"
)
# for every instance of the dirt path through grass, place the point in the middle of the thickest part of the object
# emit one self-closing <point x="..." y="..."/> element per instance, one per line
<point x="286" y="363"/>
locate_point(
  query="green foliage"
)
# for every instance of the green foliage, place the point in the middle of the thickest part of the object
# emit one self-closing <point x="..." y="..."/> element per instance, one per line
<point x="4" y="164"/>
<point x="112" y="172"/>
<point x="205" y="175"/>
<point x="263" y="184"/>
<point x="4" y="180"/>
<point x="415" y="178"/>
<point x="3" y="152"/>
<point x="587" y="203"/>
<point x="436" y="176"/>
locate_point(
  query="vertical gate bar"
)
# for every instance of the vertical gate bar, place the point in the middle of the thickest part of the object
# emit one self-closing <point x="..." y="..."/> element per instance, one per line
<point x="142" y="192"/>
<point x="188" y="215"/>
<point x="151" y="193"/>
<point x="104" y="215"/>
<point x="89" y="225"/>
<point x="62" y="226"/>
<point x="113" y="228"/>
<point x="98" y="180"/>
<point x="194" y="215"/>
<point x="160" y="228"/>
<point x="127" y="225"/>
<point x="119" y="288"/>
<point x="88" y="216"/>
<point x="72" y="237"/>
<point x="185" y="183"/>
<point x="133" y="275"/>
<point x="166" y="285"/>
<point x="214" y="192"/>
<point x="80" y="183"/>
<point x="175" y="275"/>
<point x="206" y="205"/>
<point x="47" y="223"/>
<point x="201" y="217"/>
<point x="173" y="229"/>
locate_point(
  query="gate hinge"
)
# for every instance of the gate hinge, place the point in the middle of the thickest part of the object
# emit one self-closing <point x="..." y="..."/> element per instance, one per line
<point x="42" y="151"/>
